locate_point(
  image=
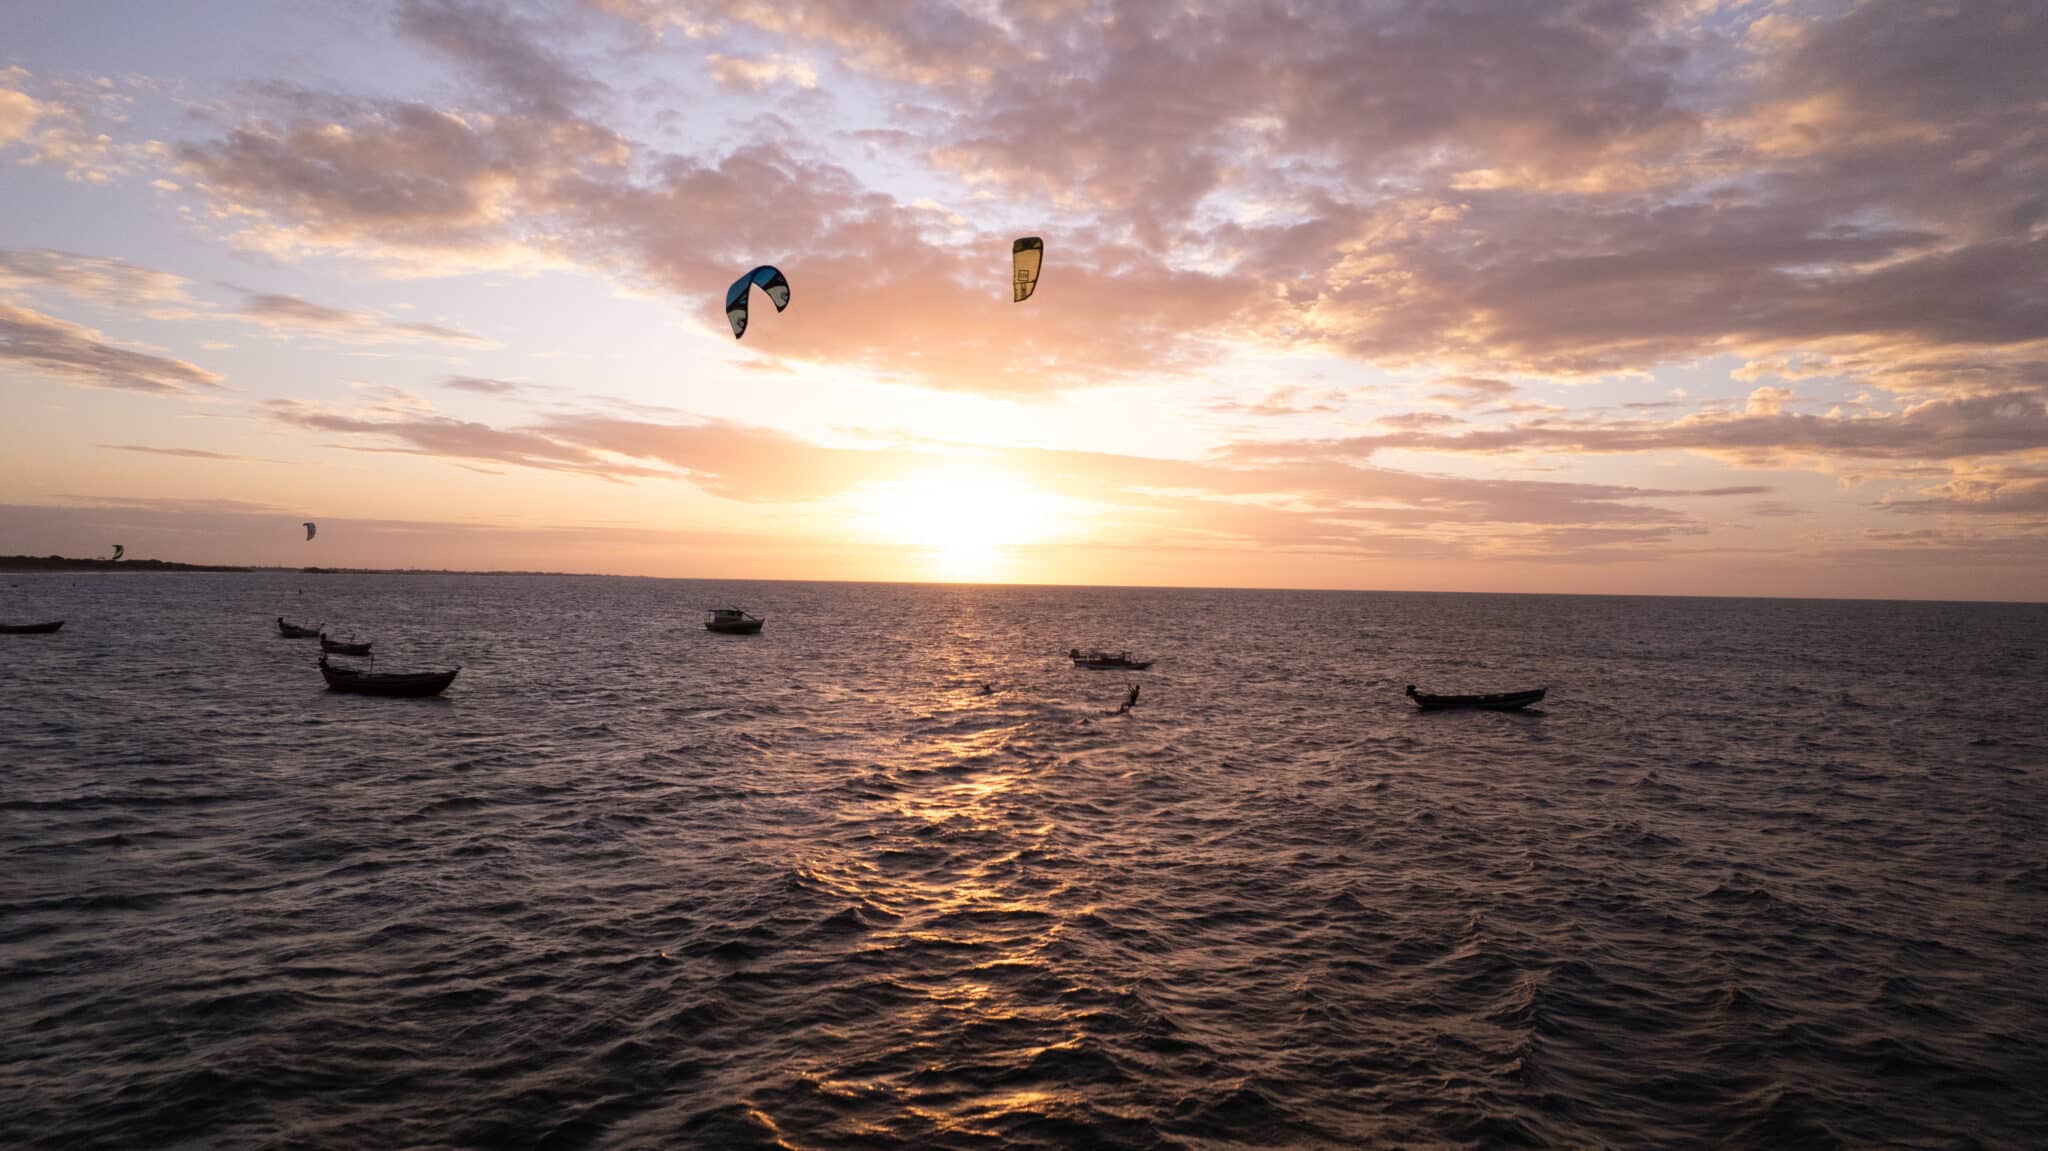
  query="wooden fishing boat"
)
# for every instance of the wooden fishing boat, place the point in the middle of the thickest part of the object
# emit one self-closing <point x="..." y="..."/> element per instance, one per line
<point x="1104" y="661"/>
<point x="412" y="685"/>
<point x="30" y="628"/>
<point x="732" y="621"/>
<point x="294" y="631"/>
<point x="1497" y="701"/>
<point x="336" y="647"/>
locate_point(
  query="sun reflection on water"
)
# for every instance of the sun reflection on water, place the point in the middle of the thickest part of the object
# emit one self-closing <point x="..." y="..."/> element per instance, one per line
<point x="972" y="1016"/>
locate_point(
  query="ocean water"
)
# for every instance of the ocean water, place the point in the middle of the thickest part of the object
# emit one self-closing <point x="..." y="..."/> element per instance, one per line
<point x="1759" y="874"/>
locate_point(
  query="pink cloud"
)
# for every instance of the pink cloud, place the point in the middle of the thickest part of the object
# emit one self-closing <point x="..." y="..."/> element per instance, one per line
<point x="433" y="435"/>
<point x="107" y="282"/>
<point x="1959" y="429"/>
<point x="1522" y="189"/>
<point x="277" y="310"/>
<point x="186" y="453"/>
<point x="80" y="355"/>
<point x="1287" y="401"/>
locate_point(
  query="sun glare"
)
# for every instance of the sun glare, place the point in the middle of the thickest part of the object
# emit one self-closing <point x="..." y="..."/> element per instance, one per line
<point x="965" y="520"/>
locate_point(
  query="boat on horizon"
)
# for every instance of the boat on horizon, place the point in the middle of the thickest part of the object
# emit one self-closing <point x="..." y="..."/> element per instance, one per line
<point x="336" y="647"/>
<point x="294" y="631"/>
<point x="1104" y="661"/>
<point x="732" y="621"/>
<point x="1496" y="701"/>
<point x="401" y="684"/>
<point x="30" y="628"/>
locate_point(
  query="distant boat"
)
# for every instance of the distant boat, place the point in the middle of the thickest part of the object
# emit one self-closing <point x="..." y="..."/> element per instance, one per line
<point x="294" y="631"/>
<point x="1498" y="701"/>
<point x="29" y="628"/>
<point x="1104" y="661"/>
<point x="732" y="621"/>
<point x="337" y="647"/>
<point x="412" y="685"/>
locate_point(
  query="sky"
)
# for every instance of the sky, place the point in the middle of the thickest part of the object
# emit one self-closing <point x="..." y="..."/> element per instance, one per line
<point x="1742" y="297"/>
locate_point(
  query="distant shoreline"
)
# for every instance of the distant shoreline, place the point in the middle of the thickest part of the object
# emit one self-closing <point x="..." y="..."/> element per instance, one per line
<point x="65" y="564"/>
<point x="68" y="564"/>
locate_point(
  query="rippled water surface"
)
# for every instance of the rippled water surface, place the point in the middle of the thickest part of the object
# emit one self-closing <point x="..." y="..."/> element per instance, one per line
<point x="1760" y="874"/>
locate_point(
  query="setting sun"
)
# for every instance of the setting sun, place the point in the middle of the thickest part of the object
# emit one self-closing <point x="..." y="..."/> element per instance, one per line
<point x="964" y="519"/>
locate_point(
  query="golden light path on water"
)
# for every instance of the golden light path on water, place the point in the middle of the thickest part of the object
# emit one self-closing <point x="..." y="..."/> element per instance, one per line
<point x="921" y="912"/>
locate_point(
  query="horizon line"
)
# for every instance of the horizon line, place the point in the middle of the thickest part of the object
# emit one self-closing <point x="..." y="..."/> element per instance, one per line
<point x="101" y="565"/>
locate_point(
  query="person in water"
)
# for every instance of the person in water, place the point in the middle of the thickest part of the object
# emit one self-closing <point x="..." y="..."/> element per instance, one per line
<point x="1130" y="701"/>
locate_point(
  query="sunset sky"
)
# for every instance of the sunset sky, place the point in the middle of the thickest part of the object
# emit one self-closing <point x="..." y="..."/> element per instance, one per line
<point x="1744" y="297"/>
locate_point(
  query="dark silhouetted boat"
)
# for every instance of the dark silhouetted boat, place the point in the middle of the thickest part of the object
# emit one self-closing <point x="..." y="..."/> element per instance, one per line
<point x="732" y="621"/>
<point x="30" y="628"/>
<point x="336" y="647"/>
<point x="411" y="685"/>
<point x="294" y="631"/>
<point x="1104" y="661"/>
<point x="1497" y="701"/>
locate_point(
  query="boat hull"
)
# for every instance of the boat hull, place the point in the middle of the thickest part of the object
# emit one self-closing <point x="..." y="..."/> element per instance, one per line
<point x="1113" y="664"/>
<point x="289" y="631"/>
<point x="1498" y="701"/>
<point x="336" y="647"/>
<point x="735" y="627"/>
<point x="30" y="628"/>
<point x="390" y="684"/>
